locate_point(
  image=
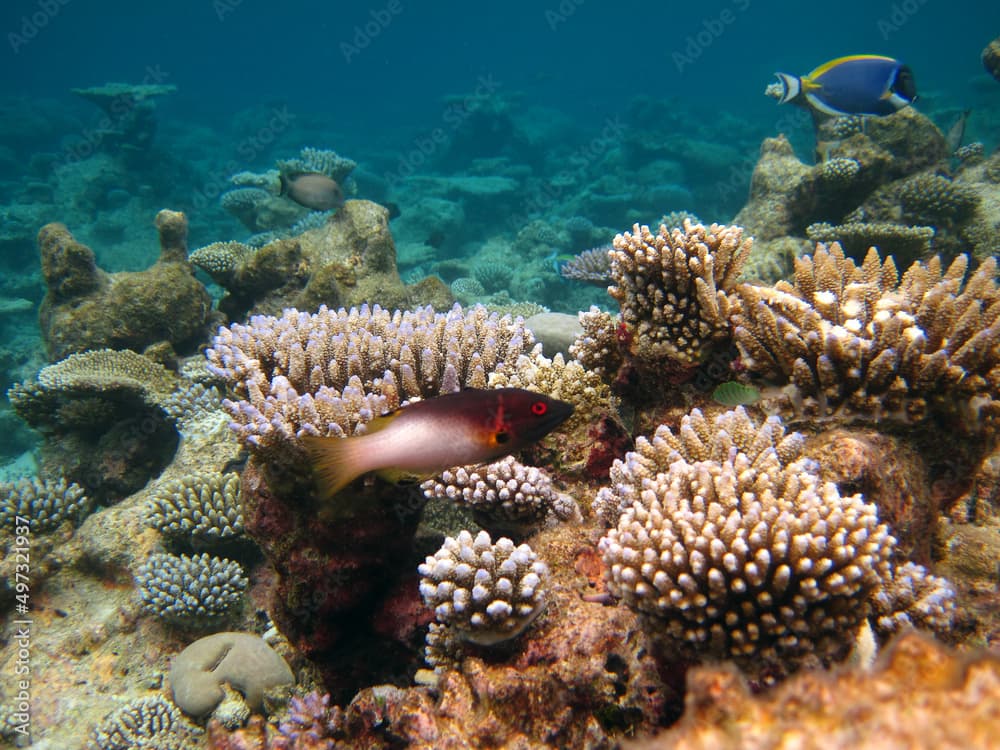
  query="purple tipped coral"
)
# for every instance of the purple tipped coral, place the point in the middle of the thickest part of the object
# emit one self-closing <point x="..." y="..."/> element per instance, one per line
<point x="331" y="372"/>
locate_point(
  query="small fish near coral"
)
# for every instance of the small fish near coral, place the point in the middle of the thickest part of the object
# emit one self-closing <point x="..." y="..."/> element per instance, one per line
<point x="852" y="85"/>
<point x="313" y="190"/>
<point x="468" y="427"/>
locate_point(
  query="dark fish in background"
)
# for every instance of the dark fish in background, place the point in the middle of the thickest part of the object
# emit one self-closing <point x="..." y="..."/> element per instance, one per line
<point x="852" y="85"/>
<point x="313" y="190"/>
<point x="469" y="427"/>
<point x="956" y="133"/>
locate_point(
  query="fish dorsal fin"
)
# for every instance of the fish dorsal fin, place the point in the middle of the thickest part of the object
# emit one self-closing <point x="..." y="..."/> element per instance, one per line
<point x="828" y="66"/>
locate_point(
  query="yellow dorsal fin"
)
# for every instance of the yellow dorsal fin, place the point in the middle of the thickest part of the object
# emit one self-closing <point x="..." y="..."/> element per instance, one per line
<point x="827" y="66"/>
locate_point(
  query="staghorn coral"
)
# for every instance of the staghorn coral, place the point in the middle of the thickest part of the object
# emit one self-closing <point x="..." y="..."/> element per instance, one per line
<point x="221" y="260"/>
<point x="592" y="266"/>
<point x="486" y="592"/>
<point x="931" y="198"/>
<point x="730" y="546"/>
<point x="195" y="591"/>
<point x="151" y="722"/>
<point x="504" y="496"/>
<point x="859" y="340"/>
<point x="675" y="290"/>
<point x="45" y="503"/>
<point x="857" y="237"/>
<point x="331" y="372"/>
<point x="200" y="508"/>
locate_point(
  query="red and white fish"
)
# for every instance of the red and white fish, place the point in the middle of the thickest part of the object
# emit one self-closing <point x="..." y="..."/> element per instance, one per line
<point x="468" y="427"/>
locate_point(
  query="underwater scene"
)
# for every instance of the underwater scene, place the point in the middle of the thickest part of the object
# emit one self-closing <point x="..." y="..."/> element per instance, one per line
<point x="553" y="374"/>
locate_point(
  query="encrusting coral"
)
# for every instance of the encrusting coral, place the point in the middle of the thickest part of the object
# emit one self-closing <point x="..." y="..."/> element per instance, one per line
<point x="486" y="592"/>
<point x="858" y="339"/>
<point x="920" y="695"/>
<point x="195" y="591"/>
<point x="729" y="545"/>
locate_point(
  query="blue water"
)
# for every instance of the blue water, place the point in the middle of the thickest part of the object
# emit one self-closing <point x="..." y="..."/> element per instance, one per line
<point x="564" y="92"/>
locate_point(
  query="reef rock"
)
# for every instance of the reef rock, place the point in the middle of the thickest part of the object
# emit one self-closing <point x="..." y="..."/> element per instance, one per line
<point x="86" y="308"/>
<point x="348" y="261"/>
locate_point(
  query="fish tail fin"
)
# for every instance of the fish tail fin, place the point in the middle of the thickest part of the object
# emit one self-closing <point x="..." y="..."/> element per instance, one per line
<point x="283" y="182"/>
<point x="336" y="462"/>
<point x="791" y="87"/>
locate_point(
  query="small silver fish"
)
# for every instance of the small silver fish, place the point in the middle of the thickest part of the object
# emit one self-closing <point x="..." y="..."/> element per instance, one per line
<point x="313" y="190"/>
<point x="956" y="133"/>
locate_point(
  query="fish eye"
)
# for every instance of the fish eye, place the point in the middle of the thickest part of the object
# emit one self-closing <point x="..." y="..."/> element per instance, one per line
<point x="502" y="437"/>
<point x="539" y="408"/>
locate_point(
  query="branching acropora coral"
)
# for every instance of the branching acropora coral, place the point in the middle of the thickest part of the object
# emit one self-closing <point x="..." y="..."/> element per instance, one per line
<point x="47" y="503"/>
<point x="221" y="260"/>
<point x="730" y="546"/>
<point x="201" y="508"/>
<point x="192" y="591"/>
<point x="858" y="339"/>
<point x="674" y="288"/>
<point x="505" y="495"/>
<point x="331" y="372"/>
<point x="486" y="592"/>
<point x="592" y="266"/>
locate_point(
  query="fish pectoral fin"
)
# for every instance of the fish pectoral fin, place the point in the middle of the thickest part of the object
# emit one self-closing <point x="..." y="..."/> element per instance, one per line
<point x="401" y="476"/>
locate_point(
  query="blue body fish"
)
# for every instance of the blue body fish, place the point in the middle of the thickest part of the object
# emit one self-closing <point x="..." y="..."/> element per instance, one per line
<point x="853" y="85"/>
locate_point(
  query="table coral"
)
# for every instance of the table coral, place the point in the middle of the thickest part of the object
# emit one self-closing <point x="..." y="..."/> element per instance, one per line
<point x="857" y="339"/>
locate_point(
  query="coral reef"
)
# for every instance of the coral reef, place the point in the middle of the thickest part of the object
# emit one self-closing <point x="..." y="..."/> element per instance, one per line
<point x="591" y="266"/>
<point x="349" y="260"/>
<point x="196" y="591"/>
<point x="991" y="58"/>
<point x="858" y="339"/>
<point x="146" y="722"/>
<point x="241" y="661"/>
<point x="903" y="242"/>
<point x="85" y="308"/>
<point x="202" y="509"/>
<point x="46" y="503"/>
<point x="920" y="695"/>
<point x="730" y="545"/>
<point x="331" y="372"/>
<point x="486" y="592"/>
<point x="221" y="260"/>
<point x="505" y="496"/>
